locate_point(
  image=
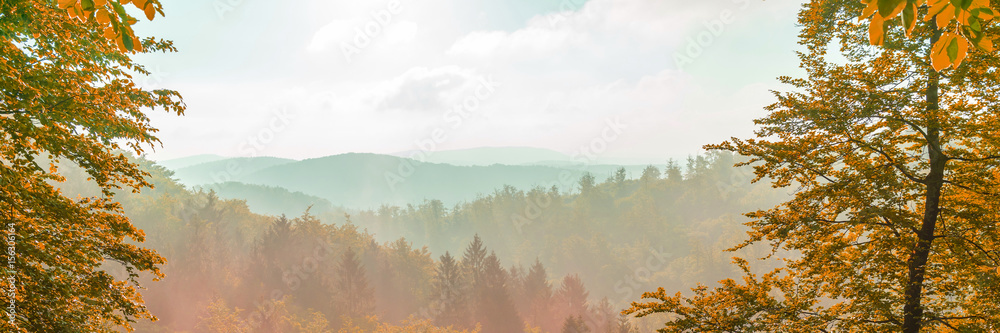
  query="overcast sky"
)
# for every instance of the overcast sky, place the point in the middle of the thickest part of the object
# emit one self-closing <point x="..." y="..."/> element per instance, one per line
<point x="647" y="79"/>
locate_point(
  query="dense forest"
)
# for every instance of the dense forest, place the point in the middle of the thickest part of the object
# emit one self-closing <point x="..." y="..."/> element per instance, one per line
<point x="539" y="260"/>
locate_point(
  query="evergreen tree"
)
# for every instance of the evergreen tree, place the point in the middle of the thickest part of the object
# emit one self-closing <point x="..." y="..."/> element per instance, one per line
<point x="673" y="172"/>
<point x="538" y="296"/>
<point x="474" y="258"/>
<point x="494" y="307"/>
<point x="451" y="294"/>
<point x="650" y="175"/>
<point x="353" y="297"/>
<point x="603" y="317"/>
<point x="575" y="324"/>
<point x="587" y="183"/>
<point x="266" y="264"/>
<point x="571" y="299"/>
<point x="618" y="182"/>
<point x="623" y="325"/>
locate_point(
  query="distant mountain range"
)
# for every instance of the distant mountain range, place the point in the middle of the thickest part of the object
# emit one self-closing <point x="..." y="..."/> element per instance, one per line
<point x="490" y="155"/>
<point x="184" y="162"/>
<point x="363" y="181"/>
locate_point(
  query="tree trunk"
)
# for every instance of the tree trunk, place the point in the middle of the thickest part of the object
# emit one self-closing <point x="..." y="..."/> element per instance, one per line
<point x="913" y="311"/>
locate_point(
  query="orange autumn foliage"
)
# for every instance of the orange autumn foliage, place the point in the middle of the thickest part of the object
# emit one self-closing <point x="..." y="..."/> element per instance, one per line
<point x="894" y="223"/>
<point x="67" y="95"/>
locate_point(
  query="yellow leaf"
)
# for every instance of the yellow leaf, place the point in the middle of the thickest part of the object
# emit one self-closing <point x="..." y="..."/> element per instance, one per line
<point x="872" y="7"/>
<point x="109" y="32"/>
<point x="150" y="12"/>
<point x="63" y="4"/>
<point x="141" y="4"/>
<point x="121" y="44"/>
<point x="986" y="44"/>
<point x="876" y="32"/>
<point x="939" y="54"/>
<point x="137" y="45"/>
<point x="945" y="17"/>
<point x="100" y="3"/>
<point x="962" y="17"/>
<point x="937" y="6"/>
<point x="103" y="17"/>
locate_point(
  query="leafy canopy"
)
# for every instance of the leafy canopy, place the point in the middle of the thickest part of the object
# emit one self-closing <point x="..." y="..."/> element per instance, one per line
<point x="970" y="16"/>
<point x="894" y="223"/>
<point x="67" y="95"/>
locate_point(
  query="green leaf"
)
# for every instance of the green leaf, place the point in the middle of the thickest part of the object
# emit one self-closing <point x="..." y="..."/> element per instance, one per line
<point x="953" y="49"/>
<point x="127" y="40"/>
<point x="909" y="16"/>
<point x="119" y="9"/>
<point x="885" y="7"/>
<point x="88" y="5"/>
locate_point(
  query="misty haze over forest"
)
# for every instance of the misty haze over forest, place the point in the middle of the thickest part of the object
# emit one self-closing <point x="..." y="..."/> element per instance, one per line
<point x="499" y="166"/>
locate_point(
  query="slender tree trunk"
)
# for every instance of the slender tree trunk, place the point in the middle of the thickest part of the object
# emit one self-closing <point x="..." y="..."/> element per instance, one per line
<point x="913" y="311"/>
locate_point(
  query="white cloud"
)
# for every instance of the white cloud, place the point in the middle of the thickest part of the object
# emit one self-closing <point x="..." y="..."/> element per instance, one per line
<point x="563" y="75"/>
<point x="421" y="89"/>
<point x="402" y="32"/>
<point x="331" y="35"/>
<point x="646" y="21"/>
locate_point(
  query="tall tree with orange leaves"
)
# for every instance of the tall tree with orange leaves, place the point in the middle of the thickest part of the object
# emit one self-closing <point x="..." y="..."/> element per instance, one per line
<point x="895" y="226"/>
<point x="67" y="95"/>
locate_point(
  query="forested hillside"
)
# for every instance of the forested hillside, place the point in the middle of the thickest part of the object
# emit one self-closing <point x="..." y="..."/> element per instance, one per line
<point x="539" y="257"/>
<point x="366" y="181"/>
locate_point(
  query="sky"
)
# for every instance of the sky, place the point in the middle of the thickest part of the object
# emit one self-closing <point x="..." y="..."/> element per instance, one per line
<point x="629" y="80"/>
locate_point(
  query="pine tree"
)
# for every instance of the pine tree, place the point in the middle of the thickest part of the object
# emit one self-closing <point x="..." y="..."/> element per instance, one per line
<point x="267" y="254"/>
<point x="494" y="307"/>
<point x="571" y="298"/>
<point x="623" y="325"/>
<point x="575" y="324"/>
<point x="538" y="296"/>
<point x="451" y="294"/>
<point x="673" y="172"/>
<point x="603" y="317"/>
<point x="473" y="260"/>
<point x="650" y="175"/>
<point x="352" y="295"/>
